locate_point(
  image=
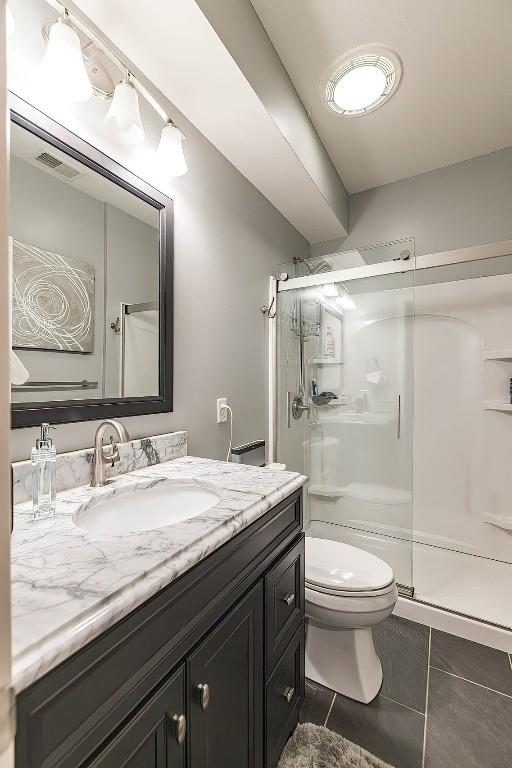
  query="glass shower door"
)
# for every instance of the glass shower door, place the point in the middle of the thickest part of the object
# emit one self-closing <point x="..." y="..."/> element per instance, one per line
<point x="345" y="406"/>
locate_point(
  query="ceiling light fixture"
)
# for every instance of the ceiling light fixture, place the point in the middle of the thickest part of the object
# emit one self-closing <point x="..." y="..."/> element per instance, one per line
<point x="123" y="117"/>
<point x="10" y="25"/>
<point x="362" y="81"/>
<point x="170" y="151"/>
<point x="330" y="290"/>
<point x="345" y="300"/>
<point x="62" y="73"/>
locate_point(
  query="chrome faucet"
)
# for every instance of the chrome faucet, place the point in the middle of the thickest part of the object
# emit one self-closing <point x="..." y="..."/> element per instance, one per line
<point x="109" y="454"/>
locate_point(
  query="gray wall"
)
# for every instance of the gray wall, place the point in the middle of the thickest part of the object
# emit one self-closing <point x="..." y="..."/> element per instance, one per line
<point x="228" y="240"/>
<point x="122" y="249"/>
<point x="453" y="207"/>
<point x="238" y="25"/>
<point x="35" y="198"/>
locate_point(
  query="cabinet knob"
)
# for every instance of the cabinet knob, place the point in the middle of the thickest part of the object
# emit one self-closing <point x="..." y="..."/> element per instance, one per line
<point x="288" y="693"/>
<point x="204" y="695"/>
<point x="289" y="599"/>
<point x="180" y="727"/>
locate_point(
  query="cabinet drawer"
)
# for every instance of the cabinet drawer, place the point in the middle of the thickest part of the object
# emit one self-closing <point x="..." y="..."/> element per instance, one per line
<point x="284" y="601"/>
<point x="283" y="697"/>
<point x="151" y="739"/>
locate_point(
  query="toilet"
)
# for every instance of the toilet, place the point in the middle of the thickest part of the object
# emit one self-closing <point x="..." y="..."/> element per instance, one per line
<point x="348" y="591"/>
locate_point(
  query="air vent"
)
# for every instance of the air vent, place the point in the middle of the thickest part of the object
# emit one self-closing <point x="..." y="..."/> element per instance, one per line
<point x="57" y="166"/>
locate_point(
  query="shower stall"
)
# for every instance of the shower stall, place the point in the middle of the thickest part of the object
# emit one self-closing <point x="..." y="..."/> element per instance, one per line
<point x="391" y="390"/>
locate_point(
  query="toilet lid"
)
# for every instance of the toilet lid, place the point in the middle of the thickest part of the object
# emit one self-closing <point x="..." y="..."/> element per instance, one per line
<point x="339" y="567"/>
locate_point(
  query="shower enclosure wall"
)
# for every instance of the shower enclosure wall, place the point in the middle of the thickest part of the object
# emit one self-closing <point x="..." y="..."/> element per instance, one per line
<point x="393" y="395"/>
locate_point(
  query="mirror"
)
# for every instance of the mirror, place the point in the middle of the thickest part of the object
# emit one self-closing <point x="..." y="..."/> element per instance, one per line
<point x="91" y="254"/>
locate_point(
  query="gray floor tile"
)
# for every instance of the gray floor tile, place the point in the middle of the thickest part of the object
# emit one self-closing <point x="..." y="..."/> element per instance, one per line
<point x="402" y="647"/>
<point x="467" y="725"/>
<point x="317" y="703"/>
<point x="473" y="661"/>
<point x="385" y="728"/>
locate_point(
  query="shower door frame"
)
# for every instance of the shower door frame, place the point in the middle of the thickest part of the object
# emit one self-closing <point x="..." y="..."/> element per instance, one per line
<point x="427" y="261"/>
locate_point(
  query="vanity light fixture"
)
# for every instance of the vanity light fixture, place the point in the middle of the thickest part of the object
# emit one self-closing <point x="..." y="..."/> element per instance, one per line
<point x="344" y="300"/>
<point x="10" y="25"/>
<point x="123" y="117"/>
<point x="170" y="150"/>
<point x="62" y="73"/>
<point x="330" y="290"/>
<point x="361" y="81"/>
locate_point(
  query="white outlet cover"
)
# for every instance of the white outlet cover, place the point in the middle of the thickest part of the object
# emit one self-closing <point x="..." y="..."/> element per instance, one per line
<point x="222" y="414"/>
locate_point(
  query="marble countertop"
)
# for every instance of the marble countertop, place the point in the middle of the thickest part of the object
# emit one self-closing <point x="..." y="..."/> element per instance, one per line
<point x="69" y="585"/>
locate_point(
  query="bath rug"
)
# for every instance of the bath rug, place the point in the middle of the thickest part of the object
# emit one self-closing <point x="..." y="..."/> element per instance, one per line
<point x="312" y="746"/>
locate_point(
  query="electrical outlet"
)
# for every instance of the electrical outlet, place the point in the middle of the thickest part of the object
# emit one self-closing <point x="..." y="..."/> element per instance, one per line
<point x="222" y="411"/>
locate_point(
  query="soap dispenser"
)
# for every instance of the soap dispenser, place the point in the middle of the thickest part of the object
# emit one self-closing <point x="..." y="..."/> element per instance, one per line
<point x="44" y="464"/>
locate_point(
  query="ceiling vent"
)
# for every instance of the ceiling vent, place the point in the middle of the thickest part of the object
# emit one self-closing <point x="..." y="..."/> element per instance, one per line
<point x="53" y="163"/>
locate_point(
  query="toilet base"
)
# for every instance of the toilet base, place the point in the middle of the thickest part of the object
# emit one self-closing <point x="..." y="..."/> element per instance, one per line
<point x="344" y="661"/>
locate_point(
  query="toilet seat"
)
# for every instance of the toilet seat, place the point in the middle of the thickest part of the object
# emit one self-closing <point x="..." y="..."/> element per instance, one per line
<point x="340" y="569"/>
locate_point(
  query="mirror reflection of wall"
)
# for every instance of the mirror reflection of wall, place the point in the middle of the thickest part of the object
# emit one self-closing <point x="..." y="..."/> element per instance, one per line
<point x="85" y="279"/>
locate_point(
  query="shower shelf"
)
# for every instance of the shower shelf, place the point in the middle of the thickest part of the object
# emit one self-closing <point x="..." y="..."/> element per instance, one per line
<point x="325" y="361"/>
<point x="496" y="405"/>
<point x="498" y="354"/>
<point x="500" y="521"/>
<point x="369" y="492"/>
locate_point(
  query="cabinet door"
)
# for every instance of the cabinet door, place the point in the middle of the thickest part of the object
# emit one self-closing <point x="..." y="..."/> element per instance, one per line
<point x="225" y="677"/>
<point x="155" y="736"/>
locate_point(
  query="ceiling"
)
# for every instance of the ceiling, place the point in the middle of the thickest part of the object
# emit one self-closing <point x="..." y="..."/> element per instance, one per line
<point x="455" y="98"/>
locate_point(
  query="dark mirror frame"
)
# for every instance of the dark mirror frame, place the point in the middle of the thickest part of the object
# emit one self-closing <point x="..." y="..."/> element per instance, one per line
<point x="63" y="411"/>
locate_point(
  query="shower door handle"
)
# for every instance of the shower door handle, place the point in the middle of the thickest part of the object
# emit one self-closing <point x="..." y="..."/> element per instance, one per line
<point x="288" y="409"/>
<point x="399" y="417"/>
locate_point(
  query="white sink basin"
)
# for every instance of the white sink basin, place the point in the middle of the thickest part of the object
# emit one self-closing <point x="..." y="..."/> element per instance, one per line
<point x="145" y="506"/>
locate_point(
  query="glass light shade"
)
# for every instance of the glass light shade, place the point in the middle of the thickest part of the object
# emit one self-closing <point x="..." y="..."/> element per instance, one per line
<point x="170" y="151"/>
<point x="346" y="302"/>
<point x="9" y="22"/>
<point x="359" y="88"/>
<point x="123" y="117"/>
<point x="330" y="290"/>
<point x="62" y="73"/>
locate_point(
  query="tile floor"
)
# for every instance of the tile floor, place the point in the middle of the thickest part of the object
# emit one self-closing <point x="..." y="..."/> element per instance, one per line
<point x="445" y="702"/>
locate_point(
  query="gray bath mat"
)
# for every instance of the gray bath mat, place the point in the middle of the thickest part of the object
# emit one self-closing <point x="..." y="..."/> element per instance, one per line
<point x="312" y="746"/>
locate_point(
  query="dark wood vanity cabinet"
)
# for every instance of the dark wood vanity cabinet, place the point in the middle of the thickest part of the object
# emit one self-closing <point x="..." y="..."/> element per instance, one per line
<point x="209" y="673"/>
<point x="226" y="724"/>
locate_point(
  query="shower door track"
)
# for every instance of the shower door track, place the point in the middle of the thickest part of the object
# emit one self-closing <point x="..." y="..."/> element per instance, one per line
<point x="429" y="261"/>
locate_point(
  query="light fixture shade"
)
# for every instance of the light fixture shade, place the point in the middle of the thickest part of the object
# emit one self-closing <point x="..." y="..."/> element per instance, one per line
<point x="346" y="301"/>
<point x="62" y="73"/>
<point x="9" y="22"/>
<point x="330" y="290"/>
<point x="170" y="151"/>
<point x="123" y="117"/>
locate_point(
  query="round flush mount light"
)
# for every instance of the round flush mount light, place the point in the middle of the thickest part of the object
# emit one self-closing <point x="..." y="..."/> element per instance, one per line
<point x="361" y="81"/>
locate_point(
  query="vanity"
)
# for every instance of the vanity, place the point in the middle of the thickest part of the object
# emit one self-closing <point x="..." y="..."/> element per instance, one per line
<point x="193" y="658"/>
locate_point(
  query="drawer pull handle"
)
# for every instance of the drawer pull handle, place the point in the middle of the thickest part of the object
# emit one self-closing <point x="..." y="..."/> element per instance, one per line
<point x="180" y="727"/>
<point x="204" y="695"/>
<point x="288" y="693"/>
<point x="289" y="599"/>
